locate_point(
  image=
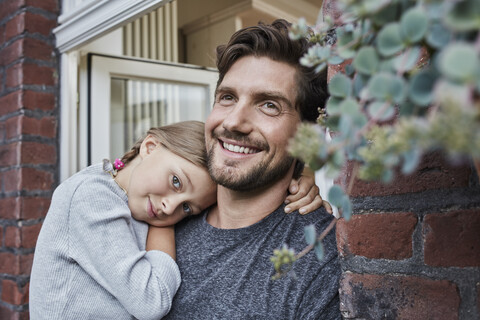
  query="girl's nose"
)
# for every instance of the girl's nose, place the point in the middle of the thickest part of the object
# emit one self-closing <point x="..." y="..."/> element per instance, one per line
<point x="167" y="207"/>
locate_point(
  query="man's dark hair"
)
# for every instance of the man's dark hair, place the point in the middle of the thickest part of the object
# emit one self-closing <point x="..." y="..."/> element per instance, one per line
<point x="272" y="41"/>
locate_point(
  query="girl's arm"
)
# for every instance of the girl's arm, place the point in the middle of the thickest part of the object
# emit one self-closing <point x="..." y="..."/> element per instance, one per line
<point x="161" y="238"/>
<point x="304" y="194"/>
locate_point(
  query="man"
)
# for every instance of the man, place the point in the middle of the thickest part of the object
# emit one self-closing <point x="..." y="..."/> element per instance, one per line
<point x="224" y="255"/>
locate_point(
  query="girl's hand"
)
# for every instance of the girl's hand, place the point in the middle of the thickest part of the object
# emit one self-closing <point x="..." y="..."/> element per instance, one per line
<point x="304" y="195"/>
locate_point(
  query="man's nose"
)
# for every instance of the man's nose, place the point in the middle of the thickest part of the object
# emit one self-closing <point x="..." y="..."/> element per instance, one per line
<point x="239" y="117"/>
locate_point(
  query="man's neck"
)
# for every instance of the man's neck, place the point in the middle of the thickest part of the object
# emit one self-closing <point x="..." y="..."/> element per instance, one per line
<point x="240" y="209"/>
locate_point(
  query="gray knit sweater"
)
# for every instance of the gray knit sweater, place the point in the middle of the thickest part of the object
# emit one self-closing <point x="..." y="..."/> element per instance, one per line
<point x="226" y="273"/>
<point x="90" y="260"/>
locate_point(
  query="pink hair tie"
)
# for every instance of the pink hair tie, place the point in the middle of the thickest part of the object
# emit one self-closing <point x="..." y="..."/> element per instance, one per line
<point x="118" y="164"/>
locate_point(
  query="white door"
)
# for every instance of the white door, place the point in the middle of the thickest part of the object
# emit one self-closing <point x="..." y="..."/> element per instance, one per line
<point x="127" y="96"/>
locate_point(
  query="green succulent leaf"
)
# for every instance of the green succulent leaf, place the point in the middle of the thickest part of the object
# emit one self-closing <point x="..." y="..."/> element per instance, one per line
<point x="414" y="24"/>
<point x="359" y="83"/>
<point x="340" y="86"/>
<point x="407" y="60"/>
<point x="459" y="61"/>
<point x="380" y="110"/>
<point x="464" y="16"/>
<point x="366" y="60"/>
<point x="346" y="208"/>
<point x="421" y="87"/>
<point x="310" y="234"/>
<point x="438" y="35"/>
<point x="385" y="15"/>
<point x="336" y="195"/>
<point x="411" y="159"/>
<point x="387" y="87"/>
<point x="319" y="250"/>
<point x="333" y="106"/>
<point x="389" y="40"/>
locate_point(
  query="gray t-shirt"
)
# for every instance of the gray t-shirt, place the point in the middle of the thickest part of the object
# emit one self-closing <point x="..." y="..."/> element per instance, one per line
<point x="226" y="273"/>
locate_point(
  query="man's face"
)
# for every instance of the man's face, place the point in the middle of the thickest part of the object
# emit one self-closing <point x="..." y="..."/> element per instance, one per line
<point x="251" y="122"/>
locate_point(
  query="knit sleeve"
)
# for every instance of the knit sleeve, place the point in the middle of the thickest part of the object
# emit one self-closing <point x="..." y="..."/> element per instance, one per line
<point x="102" y="241"/>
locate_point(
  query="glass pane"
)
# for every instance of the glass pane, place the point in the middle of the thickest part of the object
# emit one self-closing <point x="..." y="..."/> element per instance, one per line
<point x="138" y="105"/>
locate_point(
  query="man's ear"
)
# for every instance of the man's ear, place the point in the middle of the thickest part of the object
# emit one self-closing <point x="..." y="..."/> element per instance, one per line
<point x="148" y="145"/>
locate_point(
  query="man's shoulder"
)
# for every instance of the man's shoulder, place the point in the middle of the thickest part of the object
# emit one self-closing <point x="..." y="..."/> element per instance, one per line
<point x="317" y="217"/>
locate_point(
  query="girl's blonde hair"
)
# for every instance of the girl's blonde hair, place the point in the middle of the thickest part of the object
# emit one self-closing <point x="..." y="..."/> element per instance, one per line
<point x="185" y="139"/>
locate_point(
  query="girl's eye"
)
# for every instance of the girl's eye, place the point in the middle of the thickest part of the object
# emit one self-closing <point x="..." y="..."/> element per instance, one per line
<point x="270" y="109"/>
<point x="176" y="182"/>
<point x="186" y="208"/>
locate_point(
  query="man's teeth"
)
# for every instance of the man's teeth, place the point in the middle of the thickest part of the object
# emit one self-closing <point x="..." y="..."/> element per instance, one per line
<point x="238" y="149"/>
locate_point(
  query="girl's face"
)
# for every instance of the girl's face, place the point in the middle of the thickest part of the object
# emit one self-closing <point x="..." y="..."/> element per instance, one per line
<point x="164" y="188"/>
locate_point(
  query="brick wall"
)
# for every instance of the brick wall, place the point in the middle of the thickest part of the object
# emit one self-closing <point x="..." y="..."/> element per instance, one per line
<point x="412" y="247"/>
<point x="28" y="140"/>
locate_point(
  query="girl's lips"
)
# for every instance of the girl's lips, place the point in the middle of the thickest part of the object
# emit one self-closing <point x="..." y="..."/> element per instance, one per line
<point x="151" y="209"/>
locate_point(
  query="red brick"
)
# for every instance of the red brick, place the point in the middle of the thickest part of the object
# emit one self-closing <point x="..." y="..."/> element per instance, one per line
<point x="36" y="23"/>
<point x="15" y="26"/>
<point x="34" y="207"/>
<point x="48" y="5"/>
<point x="37" y="49"/>
<point x="29" y="22"/>
<point x="10" y="208"/>
<point x="9" y="154"/>
<point x="10" y="6"/>
<point x="434" y="172"/>
<point x="1" y="236"/>
<point x="377" y="236"/>
<point x="2" y="34"/>
<point x="452" y="239"/>
<point x="22" y="237"/>
<point x="24" y="207"/>
<point x="11" y="53"/>
<point x="27" y="179"/>
<point x="25" y="264"/>
<point x="38" y="100"/>
<point x="29" y="235"/>
<point x="10" y="102"/>
<point x="9" y="263"/>
<point x="26" y="47"/>
<point x="20" y="125"/>
<point x="2" y="130"/>
<point x="13" y="294"/>
<point x="30" y="73"/>
<point x="367" y="296"/>
<point x="38" y="153"/>
<point x="13" y="238"/>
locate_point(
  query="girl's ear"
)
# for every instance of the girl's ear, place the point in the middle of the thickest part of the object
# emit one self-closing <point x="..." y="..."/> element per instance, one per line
<point x="148" y="145"/>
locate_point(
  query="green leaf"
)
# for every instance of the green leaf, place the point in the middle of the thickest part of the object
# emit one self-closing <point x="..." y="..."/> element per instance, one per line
<point x="319" y="251"/>
<point x="340" y="86"/>
<point x="421" y="87"/>
<point x="346" y="208"/>
<point x="389" y="41"/>
<point x="345" y="42"/>
<point x="464" y="16"/>
<point x="459" y="61"/>
<point x="336" y="195"/>
<point x="413" y="25"/>
<point x="359" y="83"/>
<point x="438" y="36"/>
<point x="386" y="86"/>
<point x="411" y="159"/>
<point x="407" y="60"/>
<point x="333" y="106"/>
<point x="310" y="234"/>
<point x="366" y="61"/>
<point x="380" y="110"/>
<point x="335" y="60"/>
<point x="386" y="15"/>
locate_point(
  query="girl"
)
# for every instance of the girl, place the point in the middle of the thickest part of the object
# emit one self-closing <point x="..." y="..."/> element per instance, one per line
<point x="93" y="258"/>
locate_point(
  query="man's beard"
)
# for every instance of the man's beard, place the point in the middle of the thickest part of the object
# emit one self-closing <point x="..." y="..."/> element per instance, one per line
<point x="257" y="177"/>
